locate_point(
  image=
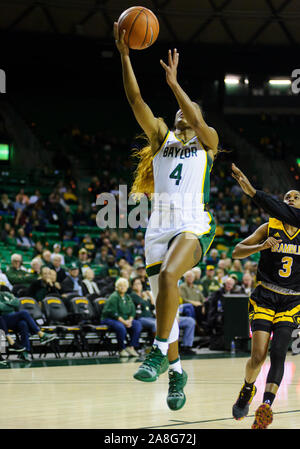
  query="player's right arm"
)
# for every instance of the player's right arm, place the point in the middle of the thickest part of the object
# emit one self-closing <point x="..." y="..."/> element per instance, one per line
<point x="256" y="242"/>
<point x="154" y="128"/>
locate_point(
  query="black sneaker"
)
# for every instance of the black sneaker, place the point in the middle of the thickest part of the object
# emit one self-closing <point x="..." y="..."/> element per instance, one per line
<point x="16" y="347"/>
<point x="241" y="408"/>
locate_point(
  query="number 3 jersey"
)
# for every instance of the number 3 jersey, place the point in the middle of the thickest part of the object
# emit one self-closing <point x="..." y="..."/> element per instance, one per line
<point x="280" y="265"/>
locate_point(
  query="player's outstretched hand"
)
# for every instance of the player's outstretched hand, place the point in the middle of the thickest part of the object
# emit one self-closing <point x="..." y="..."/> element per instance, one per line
<point x="243" y="181"/>
<point x="270" y="243"/>
<point x="119" y="39"/>
<point x="171" y="67"/>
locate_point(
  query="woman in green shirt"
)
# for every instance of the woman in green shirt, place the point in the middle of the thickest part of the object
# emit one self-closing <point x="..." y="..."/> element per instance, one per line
<point x="119" y="313"/>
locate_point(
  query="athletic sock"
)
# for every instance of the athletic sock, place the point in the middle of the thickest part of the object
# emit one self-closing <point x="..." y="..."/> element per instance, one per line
<point x="162" y="344"/>
<point x="175" y="365"/>
<point x="268" y="398"/>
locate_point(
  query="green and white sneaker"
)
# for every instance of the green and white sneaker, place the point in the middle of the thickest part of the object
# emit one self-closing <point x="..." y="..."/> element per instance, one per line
<point x="46" y="338"/>
<point x="153" y="366"/>
<point x="176" y="397"/>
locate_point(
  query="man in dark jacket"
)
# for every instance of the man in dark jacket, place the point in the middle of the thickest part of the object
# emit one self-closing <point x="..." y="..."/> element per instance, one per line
<point x="20" y="322"/>
<point x="72" y="282"/>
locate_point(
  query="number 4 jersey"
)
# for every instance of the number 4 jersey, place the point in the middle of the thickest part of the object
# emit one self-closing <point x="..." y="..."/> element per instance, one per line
<point x="182" y="169"/>
<point x="280" y="265"/>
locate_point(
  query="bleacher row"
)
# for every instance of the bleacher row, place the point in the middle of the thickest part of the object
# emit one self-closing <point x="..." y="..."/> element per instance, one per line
<point x="76" y="323"/>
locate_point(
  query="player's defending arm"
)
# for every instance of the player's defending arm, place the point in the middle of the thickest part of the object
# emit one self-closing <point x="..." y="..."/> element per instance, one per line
<point x="276" y="208"/>
<point x="258" y="241"/>
<point x="191" y="110"/>
<point x="154" y="128"/>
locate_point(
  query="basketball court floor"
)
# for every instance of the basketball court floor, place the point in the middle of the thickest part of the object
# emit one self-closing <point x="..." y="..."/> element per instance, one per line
<point x="102" y="394"/>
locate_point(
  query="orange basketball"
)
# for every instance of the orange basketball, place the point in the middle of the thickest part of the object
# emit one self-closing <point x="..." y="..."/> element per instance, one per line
<point x="141" y="27"/>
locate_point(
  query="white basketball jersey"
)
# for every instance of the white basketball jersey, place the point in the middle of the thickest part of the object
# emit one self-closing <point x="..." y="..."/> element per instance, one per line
<point x="181" y="173"/>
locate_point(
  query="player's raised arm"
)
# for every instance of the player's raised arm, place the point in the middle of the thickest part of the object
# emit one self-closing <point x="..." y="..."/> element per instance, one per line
<point x="278" y="209"/>
<point x="191" y="110"/>
<point x="256" y="242"/>
<point x="154" y="128"/>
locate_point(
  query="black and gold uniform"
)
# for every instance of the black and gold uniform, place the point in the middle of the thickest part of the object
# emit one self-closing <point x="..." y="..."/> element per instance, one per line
<point x="276" y="300"/>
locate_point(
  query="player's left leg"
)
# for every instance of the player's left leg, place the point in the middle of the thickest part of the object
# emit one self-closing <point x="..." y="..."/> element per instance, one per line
<point x="279" y="347"/>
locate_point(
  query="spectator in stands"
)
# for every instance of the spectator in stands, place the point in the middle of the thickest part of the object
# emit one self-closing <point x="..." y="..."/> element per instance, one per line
<point x="57" y="250"/>
<point x="20" y="322"/>
<point x="123" y="251"/>
<point x="84" y="260"/>
<point x="197" y="281"/>
<point x="17" y="275"/>
<point x="223" y="214"/>
<point x="56" y="285"/>
<point x="247" y="283"/>
<point x="193" y="299"/>
<point x="5" y="231"/>
<point x="35" y="266"/>
<point x="119" y="314"/>
<point x="68" y="231"/>
<point x="215" y="316"/>
<point x="11" y="239"/>
<point x="6" y="205"/>
<point x="187" y="324"/>
<point x="144" y="305"/>
<point x="141" y="273"/>
<point x="112" y="268"/>
<point x="89" y="286"/>
<point x="43" y="286"/>
<point x="72" y="282"/>
<point x="5" y="285"/>
<point x="38" y="248"/>
<point x="69" y="256"/>
<point x="23" y="241"/>
<point x="80" y="217"/>
<point x="237" y="269"/>
<point x="57" y="267"/>
<point x="89" y="245"/>
<point x="213" y="257"/>
<point x="209" y="281"/>
<point x="46" y="258"/>
<point x="243" y="229"/>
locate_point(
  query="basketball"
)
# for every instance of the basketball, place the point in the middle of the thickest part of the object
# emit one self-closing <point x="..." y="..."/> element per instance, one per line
<point x="141" y="25"/>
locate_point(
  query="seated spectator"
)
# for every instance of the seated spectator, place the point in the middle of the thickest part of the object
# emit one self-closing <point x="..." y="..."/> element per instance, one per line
<point x="35" y="266"/>
<point x="209" y="281"/>
<point x="57" y="250"/>
<point x="144" y="305"/>
<point x="123" y="251"/>
<point x="247" y="283"/>
<point x="69" y="256"/>
<point x="197" y="281"/>
<point x="119" y="314"/>
<point x="84" y="261"/>
<point x="43" y="286"/>
<point x="215" y="315"/>
<point x="5" y="285"/>
<point x="5" y="231"/>
<point x="187" y="324"/>
<point x="89" y="286"/>
<point x="80" y="217"/>
<point x="88" y="244"/>
<point x="69" y="232"/>
<point x="112" y="268"/>
<point x="141" y="273"/>
<point x="213" y="257"/>
<point x="243" y="229"/>
<point x="72" y="282"/>
<point x="46" y="258"/>
<point x="20" y="322"/>
<point x="54" y="281"/>
<point x="57" y="267"/>
<point x="23" y="241"/>
<point x="6" y="205"/>
<point x="38" y="248"/>
<point x="193" y="299"/>
<point x="18" y="275"/>
<point x="237" y="269"/>
<point x="11" y="239"/>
